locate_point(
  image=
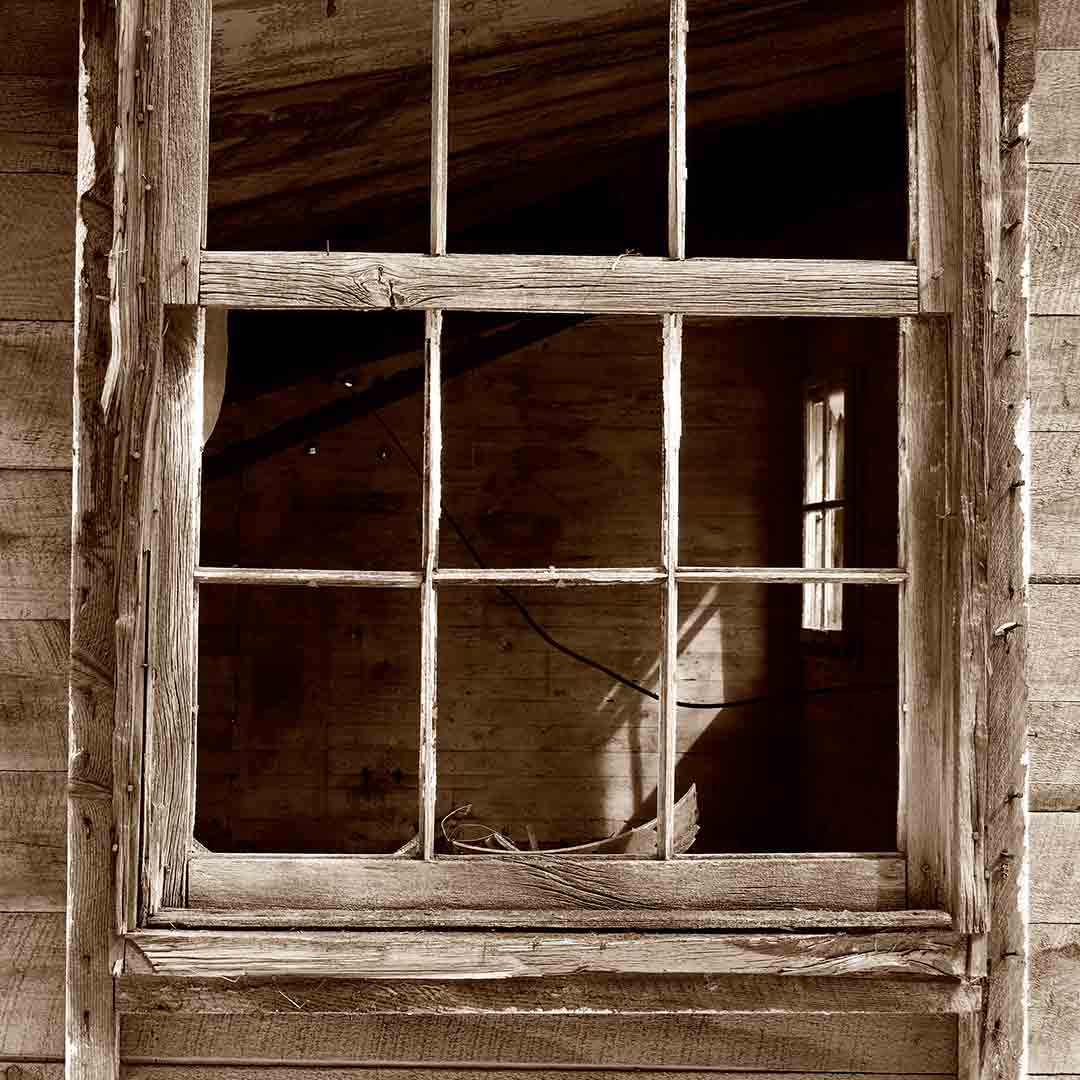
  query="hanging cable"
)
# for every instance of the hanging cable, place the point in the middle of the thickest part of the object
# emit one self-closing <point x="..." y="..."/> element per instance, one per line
<point x="581" y="658"/>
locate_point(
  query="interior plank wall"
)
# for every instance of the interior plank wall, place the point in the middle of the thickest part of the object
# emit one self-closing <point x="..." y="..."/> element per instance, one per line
<point x="1054" y="655"/>
<point x="37" y="199"/>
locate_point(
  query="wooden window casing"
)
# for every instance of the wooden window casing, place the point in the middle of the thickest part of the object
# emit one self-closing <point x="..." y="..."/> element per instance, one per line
<point x="933" y="879"/>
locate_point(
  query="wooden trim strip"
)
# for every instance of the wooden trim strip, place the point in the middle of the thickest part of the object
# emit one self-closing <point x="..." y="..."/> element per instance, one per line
<point x="358" y="579"/>
<point x="543" y="883"/>
<point x="677" y="130"/>
<point x="566" y="919"/>
<point x="557" y="283"/>
<point x="630" y="575"/>
<point x="187" y="150"/>
<point x="793" y="574"/>
<point x="625" y="995"/>
<point x="429" y="648"/>
<point x="397" y="955"/>
<point x="440" y="109"/>
<point x="669" y="548"/>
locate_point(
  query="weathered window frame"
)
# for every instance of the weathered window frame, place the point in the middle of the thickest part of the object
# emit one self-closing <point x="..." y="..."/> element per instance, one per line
<point x="159" y="331"/>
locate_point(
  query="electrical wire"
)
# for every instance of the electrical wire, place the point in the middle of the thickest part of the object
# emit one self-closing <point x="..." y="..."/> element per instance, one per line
<point x="581" y="658"/>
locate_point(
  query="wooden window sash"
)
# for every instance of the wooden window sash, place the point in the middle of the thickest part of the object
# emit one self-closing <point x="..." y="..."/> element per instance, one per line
<point x="670" y="288"/>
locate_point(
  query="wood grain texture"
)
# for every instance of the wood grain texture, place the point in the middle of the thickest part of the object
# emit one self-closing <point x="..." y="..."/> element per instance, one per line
<point x="935" y="228"/>
<point x="359" y="1072"/>
<point x="1055" y="999"/>
<point x="1054" y="643"/>
<point x="857" y="1043"/>
<point x="1054" y="207"/>
<point x="541" y="884"/>
<point x="1055" y="373"/>
<point x="641" y="995"/>
<point x="169" y="799"/>
<point x="1055" y="871"/>
<point x="35" y="409"/>
<point x="187" y="149"/>
<point x="33" y="695"/>
<point x="32" y="1070"/>
<point x="90" y="1030"/>
<point x="485" y="955"/>
<point x="1054" y="104"/>
<point x="551" y="283"/>
<point x="31" y="986"/>
<point x="1055" y="503"/>
<point x="39" y="39"/>
<point x="32" y="846"/>
<point x="570" y="919"/>
<point x="36" y="243"/>
<point x="37" y="124"/>
<point x="1059" y="25"/>
<point x="35" y="543"/>
<point x="1054" y="741"/>
<point x="927" y="763"/>
<point x="1003" y="1045"/>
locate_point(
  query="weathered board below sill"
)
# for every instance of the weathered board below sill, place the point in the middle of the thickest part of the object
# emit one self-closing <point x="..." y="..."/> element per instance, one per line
<point x="641" y="995"/>
<point x="458" y="955"/>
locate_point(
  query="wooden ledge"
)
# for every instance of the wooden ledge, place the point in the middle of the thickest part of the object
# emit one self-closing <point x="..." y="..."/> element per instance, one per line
<point x="557" y="283"/>
<point x="456" y="955"/>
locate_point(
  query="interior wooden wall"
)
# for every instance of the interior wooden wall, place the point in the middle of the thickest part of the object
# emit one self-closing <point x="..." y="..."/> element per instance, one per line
<point x="1054" y="640"/>
<point x="37" y="213"/>
<point x="309" y="711"/>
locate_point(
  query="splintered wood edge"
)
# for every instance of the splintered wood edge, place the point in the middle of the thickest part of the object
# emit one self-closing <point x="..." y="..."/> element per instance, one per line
<point x="409" y="955"/>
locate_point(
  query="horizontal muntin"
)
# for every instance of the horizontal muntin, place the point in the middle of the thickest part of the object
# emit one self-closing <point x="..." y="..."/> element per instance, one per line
<point x="551" y="576"/>
<point x="589" y="284"/>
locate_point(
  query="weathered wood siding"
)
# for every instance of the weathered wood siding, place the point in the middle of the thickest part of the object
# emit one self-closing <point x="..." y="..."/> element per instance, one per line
<point x="1054" y="652"/>
<point x="37" y="213"/>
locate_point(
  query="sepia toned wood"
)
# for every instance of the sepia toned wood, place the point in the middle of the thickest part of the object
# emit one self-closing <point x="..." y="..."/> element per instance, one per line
<point x="1055" y="373"/>
<point x="1055" y="998"/>
<point x="676" y="214"/>
<point x="37" y="124"/>
<point x="33" y="1070"/>
<point x="32" y="847"/>
<point x="572" y="575"/>
<point x="35" y="543"/>
<point x="1054" y="208"/>
<point x="440" y="107"/>
<point x="669" y="511"/>
<point x="1059" y="25"/>
<point x="35" y="409"/>
<point x="246" y="881"/>
<point x="172" y="639"/>
<point x="935" y="166"/>
<point x="346" y="1072"/>
<point x="858" y="1043"/>
<point x="486" y="955"/>
<point x="1053" y="668"/>
<point x="1055" y="508"/>
<point x="429" y="644"/>
<point x="1055" y="873"/>
<point x="187" y="149"/>
<point x="1054" y="104"/>
<point x="1003" y="1046"/>
<point x="31" y="986"/>
<point x="36" y="240"/>
<point x="645" y="996"/>
<point x="1054" y="747"/>
<point x="927" y="763"/>
<point x="795" y="574"/>
<point x="557" y="283"/>
<point x="569" y="919"/>
<point x="39" y="39"/>
<point x="242" y="575"/>
<point x="33" y="695"/>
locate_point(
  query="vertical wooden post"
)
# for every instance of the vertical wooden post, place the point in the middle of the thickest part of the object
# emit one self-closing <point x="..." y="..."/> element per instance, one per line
<point x="1005" y="1037"/>
<point x="429" y="683"/>
<point x="429" y="680"/>
<point x="672" y="393"/>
